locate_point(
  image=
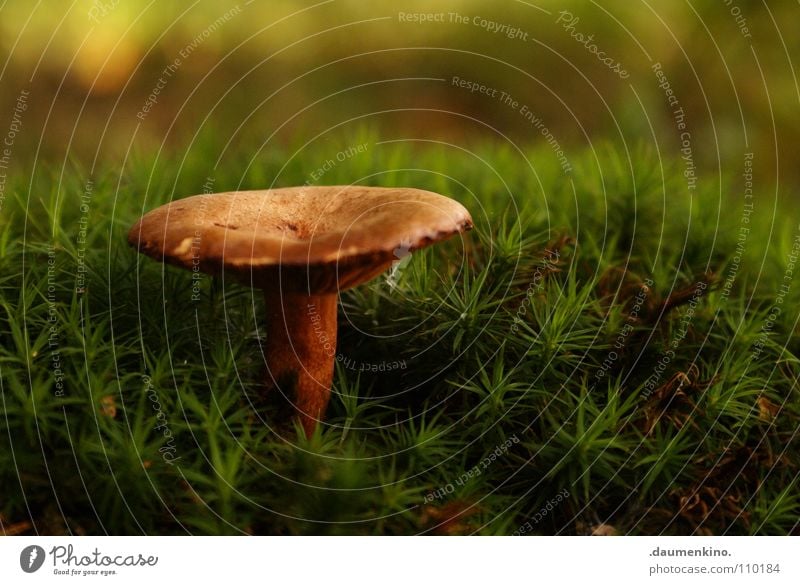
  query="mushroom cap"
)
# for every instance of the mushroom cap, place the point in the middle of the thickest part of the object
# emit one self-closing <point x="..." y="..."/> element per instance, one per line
<point x="318" y="239"/>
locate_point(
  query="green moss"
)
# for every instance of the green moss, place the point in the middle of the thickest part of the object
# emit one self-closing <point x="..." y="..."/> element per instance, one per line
<point x="523" y="378"/>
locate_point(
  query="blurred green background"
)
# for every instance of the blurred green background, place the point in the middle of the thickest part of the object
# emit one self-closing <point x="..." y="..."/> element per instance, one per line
<point x="265" y="74"/>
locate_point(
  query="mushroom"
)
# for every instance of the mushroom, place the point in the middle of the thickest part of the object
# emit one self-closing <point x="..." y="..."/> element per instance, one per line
<point x="301" y="246"/>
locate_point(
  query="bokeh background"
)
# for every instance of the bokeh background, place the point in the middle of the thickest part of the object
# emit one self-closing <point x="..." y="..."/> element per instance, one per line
<point x="270" y="73"/>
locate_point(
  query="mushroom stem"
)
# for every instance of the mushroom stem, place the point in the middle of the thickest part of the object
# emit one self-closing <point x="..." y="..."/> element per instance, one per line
<point x="300" y="350"/>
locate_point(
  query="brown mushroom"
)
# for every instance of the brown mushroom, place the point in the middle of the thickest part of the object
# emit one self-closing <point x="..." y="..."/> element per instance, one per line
<point x="301" y="246"/>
